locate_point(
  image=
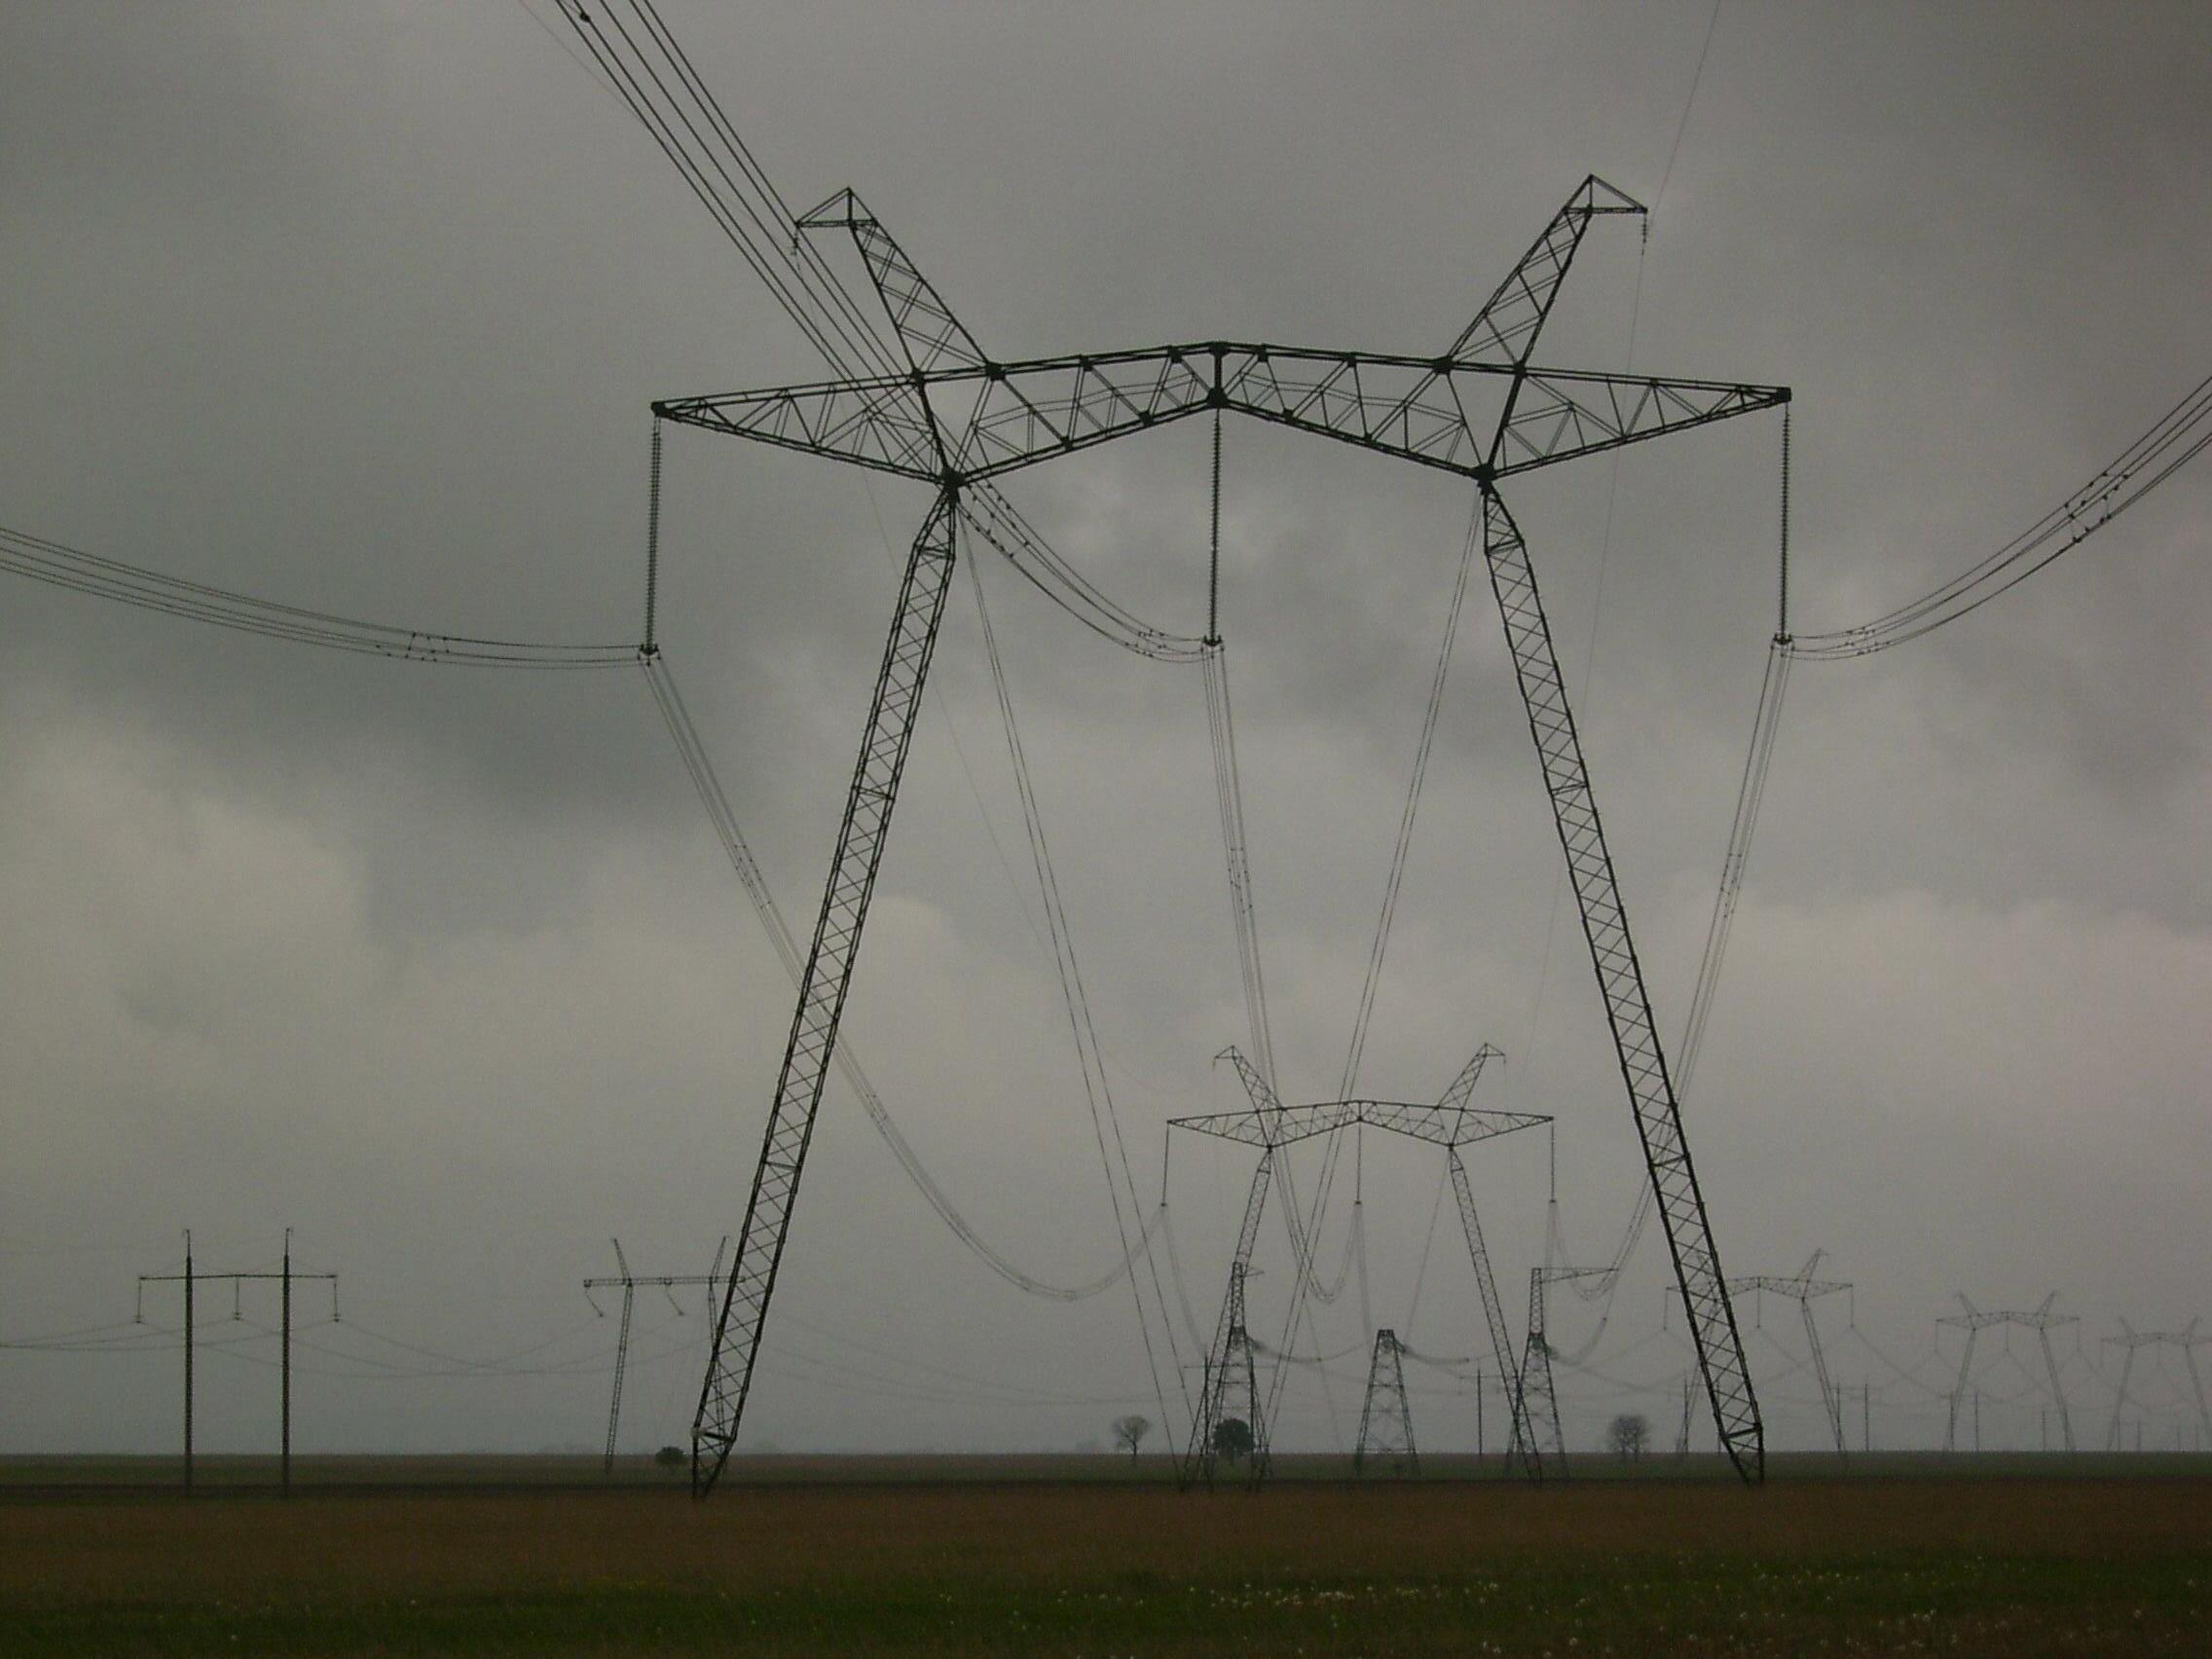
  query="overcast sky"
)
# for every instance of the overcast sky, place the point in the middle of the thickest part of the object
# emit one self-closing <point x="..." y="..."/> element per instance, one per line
<point x="362" y="309"/>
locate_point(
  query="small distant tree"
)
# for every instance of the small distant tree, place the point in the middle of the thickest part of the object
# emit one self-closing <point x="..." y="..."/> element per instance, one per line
<point x="671" y="1458"/>
<point x="1628" y="1435"/>
<point x="1129" y="1432"/>
<point x="1232" y="1439"/>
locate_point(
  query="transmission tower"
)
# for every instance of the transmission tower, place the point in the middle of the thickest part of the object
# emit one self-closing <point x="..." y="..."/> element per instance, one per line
<point x="2039" y="1320"/>
<point x="1532" y="1381"/>
<point x="1229" y="1394"/>
<point x="1386" y="1418"/>
<point x="958" y="420"/>
<point x="191" y="1278"/>
<point x="1804" y="1289"/>
<point x="2130" y="1342"/>
<point x="1453" y="1122"/>
<point x="628" y="1283"/>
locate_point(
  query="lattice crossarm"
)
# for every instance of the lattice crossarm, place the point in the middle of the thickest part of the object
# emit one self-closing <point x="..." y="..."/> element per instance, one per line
<point x="930" y="336"/>
<point x="1561" y="415"/>
<point x="875" y="423"/>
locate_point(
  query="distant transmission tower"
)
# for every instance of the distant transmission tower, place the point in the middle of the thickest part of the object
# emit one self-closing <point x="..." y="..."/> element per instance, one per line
<point x="1804" y="1290"/>
<point x="1452" y="1122"/>
<point x="2188" y="1340"/>
<point x="191" y="1279"/>
<point x="1540" y="1397"/>
<point x="1386" y="1418"/>
<point x="628" y="1284"/>
<point x="2039" y="1320"/>
<point x="1229" y="1397"/>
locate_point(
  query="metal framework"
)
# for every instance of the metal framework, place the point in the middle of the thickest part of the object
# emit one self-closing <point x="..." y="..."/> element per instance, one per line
<point x="2039" y="1320"/>
<point x="628" y="1283"/>
<point x="1452" y="1122"/>
<point x="958" y="419"/>
<point x="1385" y="1418"/>
<point x="1804" y="1290"/>
<point x="2130" y="1340"/>
<point x="1533" y="1384"/>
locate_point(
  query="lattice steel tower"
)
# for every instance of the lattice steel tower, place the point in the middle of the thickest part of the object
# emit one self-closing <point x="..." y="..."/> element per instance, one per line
<point x="957" y="418"/>
<point x="1386" y="1418"/>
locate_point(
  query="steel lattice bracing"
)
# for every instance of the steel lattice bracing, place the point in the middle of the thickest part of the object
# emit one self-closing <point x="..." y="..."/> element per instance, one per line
<point x="1532" y="1382"/>
<point x="1385" y="1417"/>
<point x="1480" y="420"/>
<point x="822" y="990"/>
<point x="1480" y="410"/>
<point x="1231" y="1389"/>
<point x="1620" y="981"/>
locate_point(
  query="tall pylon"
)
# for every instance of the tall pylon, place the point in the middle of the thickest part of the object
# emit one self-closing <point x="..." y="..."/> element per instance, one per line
<point x="1386" y="1418"/>
<point x="2039" y="1320"/>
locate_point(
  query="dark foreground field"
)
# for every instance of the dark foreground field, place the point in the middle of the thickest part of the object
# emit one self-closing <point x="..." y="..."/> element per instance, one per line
<point x="2013" y="1565"/>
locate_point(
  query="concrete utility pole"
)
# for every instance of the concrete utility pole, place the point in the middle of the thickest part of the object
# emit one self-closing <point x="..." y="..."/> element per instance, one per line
<point x="191" y="1281"/>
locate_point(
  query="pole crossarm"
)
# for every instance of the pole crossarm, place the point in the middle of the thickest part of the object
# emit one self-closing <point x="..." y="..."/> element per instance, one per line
<point x="1482" y="420"/>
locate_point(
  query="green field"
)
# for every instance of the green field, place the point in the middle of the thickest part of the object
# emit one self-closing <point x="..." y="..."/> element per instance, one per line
<point x="1059" y="1555"/>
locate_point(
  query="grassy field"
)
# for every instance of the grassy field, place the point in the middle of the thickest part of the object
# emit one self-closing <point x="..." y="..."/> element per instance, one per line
<point x="1022" y="1557"/>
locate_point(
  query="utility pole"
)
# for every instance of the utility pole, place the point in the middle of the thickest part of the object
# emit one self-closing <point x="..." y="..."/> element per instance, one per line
<point x="628" y="1282"/>
<point x="1866" y="1416"/>
<point x="191" y="1281"/>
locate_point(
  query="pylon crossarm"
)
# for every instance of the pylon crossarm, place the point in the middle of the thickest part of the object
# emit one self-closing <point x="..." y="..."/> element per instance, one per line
<point x="1711" y="1317"/>
<point x="823" y="988"/>
<point x="1462" y="1088"/>
<point x="1286" y="1125"/>
<point x="1479" y="420"/>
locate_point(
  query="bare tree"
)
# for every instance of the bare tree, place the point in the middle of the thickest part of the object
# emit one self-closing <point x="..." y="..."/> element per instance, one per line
<point x="1628" y="1435"/>
<point x="1130" y="1431"/>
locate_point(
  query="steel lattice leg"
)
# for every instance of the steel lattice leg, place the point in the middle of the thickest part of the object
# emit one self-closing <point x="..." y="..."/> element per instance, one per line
<point x="1628" y="1005"/>
<point x="822" y="992"/>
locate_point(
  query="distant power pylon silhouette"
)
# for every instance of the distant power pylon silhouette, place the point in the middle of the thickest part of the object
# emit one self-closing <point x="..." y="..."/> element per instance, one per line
<point x="1452" y="1122"/>
<point x="2039" y="1320"/>
<point x="1386" y="1418"/>
<point x="1539" y="1398"/>
<point x="189" y="1278"/>
<point x="1804" y="1290"/>
<point x="628" y="1282"/>
<point x="2189" y="1340"/>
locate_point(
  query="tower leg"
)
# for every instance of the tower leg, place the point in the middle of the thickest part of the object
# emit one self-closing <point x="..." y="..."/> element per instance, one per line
<point x="1230" y="1364"/>
<point x="823" y="988"/>
<point x="2120" y="1404"/>
<point x="1539" y="1399"/>
<point x="1832" y="1401"/>
<point x="622" y="1364"/>
<point x="1628" y="1005"/>
<point x="1966" y="1364"/>
<point x="2058" y="1390"/>
<point x="1521" y="1447"/>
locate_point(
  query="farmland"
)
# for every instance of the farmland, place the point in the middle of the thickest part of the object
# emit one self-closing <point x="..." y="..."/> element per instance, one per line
<point x="1058" y="1555"/>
